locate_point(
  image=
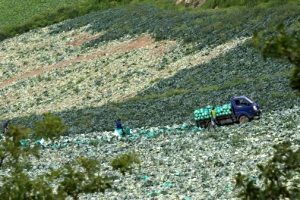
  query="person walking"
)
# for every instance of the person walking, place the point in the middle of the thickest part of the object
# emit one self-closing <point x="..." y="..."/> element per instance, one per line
<point x="213" y="117"/>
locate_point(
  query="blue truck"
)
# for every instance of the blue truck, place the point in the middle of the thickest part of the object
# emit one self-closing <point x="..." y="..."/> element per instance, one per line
<point x="240" y="109"/>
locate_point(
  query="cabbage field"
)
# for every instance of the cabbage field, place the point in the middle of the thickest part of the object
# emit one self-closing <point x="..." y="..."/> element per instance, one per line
<point x="122" y="63"/>
<point x="179" y="161"/>
<point x="153" y="68"/>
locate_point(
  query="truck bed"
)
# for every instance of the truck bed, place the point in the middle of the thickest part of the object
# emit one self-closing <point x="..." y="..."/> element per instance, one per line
<point x="220" y="120"/>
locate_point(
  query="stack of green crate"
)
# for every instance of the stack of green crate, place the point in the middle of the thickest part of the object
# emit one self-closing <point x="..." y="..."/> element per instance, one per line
<point x="202" y="113"/>
<point x="205" y="113"/>
<point x="223" y="110"/>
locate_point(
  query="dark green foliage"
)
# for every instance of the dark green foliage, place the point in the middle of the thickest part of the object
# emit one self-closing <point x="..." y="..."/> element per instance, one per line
<point x="125" y="161"/>
<point x="10" y="146"/>
<point x="77" y="177"/>
<point x="50" y="127"/>
<point x="158" y="96"/>
<point x="81" y="176"/>
<point x="280" y="177"/>
<point x="20" y="187"/>
<point x="15" y="156"/>
<point x="295" y="79"/>
<point x="236" y="140"/>
<point x="283" y="45"/>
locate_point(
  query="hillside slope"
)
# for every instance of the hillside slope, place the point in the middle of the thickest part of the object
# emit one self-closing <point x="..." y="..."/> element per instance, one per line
<point x="152" y="68"/>
<point x="177" y="162"/>
<point x="94" y="69"/>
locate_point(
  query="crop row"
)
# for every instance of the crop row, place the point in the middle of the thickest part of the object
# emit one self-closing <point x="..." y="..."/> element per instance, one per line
<point x="203" y="27"/>
<point x="241" y="71"/>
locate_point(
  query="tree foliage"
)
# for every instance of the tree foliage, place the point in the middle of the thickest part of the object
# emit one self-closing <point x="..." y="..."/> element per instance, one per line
<point x="51" y="127"/>
<point x="11" y="145"/>
<point x="284" y="45"/>
<point x="19" y="186"/>
<point x="279" y="177"/>
<point x="76" y="177"/>
<point x="81" y="176"/>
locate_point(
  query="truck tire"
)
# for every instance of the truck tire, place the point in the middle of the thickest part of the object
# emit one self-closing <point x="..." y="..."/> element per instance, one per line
<point x="244" y="119"/>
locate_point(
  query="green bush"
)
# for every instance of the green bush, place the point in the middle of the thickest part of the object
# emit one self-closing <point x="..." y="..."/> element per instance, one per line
<point x="125" y="161"/>
<point x="86" y="171"/>
<point x="77" y="177"/>
<point x="284" y="45"/>
<point x="50" y="127"/>
<point x="279" y="177"/>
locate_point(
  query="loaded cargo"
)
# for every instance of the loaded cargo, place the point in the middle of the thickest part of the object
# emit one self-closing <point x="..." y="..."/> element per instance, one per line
<point x="240" y="109"/>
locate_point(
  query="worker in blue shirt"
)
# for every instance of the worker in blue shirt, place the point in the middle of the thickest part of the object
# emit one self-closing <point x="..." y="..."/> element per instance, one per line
<point x="119" y="124"/>
<point x="119" y="127"/>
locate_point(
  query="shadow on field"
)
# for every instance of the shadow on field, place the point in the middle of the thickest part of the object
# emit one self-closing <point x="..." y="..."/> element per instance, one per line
<point x="241" y="71"/>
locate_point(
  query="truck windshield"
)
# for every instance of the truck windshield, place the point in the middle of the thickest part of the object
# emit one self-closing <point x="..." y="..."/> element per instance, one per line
<point x="249" y="100"/>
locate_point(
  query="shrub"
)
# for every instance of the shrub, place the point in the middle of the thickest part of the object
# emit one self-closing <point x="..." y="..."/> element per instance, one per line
<point x="125" y="161"/>
<point x="50" y="127"/>
<point x="279" y="177"/>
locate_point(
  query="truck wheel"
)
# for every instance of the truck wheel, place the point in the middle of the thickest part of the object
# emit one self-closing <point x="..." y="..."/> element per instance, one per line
<point x="243" y="119"/>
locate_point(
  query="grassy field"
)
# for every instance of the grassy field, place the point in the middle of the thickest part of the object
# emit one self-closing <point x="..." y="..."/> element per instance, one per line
<point x="15" y="12"/>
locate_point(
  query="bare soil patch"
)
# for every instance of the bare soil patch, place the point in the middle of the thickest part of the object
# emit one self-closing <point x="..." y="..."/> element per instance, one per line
<point x="140" y="42"/>
<point x="79" y="41"/>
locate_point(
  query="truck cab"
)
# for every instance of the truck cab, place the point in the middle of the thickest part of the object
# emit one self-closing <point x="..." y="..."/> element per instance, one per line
<point x="244" y="108"/>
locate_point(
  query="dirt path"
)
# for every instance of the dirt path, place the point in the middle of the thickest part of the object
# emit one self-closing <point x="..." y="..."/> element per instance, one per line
<point x="141" y="42"/>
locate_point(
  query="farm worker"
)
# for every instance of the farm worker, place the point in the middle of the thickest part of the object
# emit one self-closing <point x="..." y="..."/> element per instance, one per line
<point x="119" y="127"/>
<point x="213" y="117"/>
<point x="221" y="103"/>
<point x="5" y="126"/>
